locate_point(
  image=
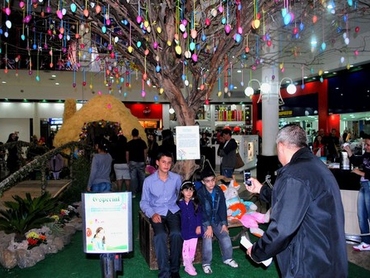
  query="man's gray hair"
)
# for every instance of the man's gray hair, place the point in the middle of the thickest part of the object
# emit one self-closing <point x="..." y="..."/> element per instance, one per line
<point x="292" y="135"/>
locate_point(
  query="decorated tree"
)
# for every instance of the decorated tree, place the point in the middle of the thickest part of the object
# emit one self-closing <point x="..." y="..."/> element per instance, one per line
<point x="182" y="47"/>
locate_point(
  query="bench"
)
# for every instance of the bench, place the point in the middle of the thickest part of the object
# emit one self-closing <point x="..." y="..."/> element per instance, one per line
<point x="146" y="243"/>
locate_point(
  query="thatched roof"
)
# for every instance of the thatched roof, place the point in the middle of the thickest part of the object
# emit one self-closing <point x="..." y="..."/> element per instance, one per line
<point x="100" y="108"/>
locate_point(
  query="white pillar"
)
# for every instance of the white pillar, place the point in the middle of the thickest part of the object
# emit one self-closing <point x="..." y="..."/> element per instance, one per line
<point x="36" y="120"/>
<point x="270" y="112"/>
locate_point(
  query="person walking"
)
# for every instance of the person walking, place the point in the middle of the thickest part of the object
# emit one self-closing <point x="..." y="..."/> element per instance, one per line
<point x="214" y="221"/>
<point x="158" y="203"/>
<point x="99" y="179"/>
<point x="136" y="155"/>
<point x="306" y="231"/>
<point x="363" y="199"/>
<point x="191" y="224"/>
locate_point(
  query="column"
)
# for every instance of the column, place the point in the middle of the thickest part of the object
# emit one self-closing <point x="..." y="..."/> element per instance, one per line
<point x="36" y="120"/>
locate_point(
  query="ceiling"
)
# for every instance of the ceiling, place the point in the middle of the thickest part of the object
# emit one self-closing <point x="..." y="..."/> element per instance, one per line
<point x="316" y="42"/>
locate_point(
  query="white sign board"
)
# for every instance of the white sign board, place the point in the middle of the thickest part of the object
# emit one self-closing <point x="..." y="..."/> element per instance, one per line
<point x="107" y="221"/>
<point x="187" y="142"/>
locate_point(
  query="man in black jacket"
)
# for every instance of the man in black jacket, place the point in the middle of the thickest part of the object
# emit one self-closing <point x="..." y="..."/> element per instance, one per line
<point x="306" y="233"/>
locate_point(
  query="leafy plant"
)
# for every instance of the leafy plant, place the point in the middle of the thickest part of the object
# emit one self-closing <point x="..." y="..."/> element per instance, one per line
<point x="26" y="214"/>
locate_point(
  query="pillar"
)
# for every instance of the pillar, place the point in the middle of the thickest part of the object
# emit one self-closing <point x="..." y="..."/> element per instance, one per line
<point x="36" y="120"/>
<point x="267" y="162"/>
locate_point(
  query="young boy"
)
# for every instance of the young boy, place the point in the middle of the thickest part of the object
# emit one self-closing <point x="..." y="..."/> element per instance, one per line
<point x="214" y="221"/>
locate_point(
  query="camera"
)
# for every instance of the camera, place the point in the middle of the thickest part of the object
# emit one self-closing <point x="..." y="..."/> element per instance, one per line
<point x="247" y="176"/>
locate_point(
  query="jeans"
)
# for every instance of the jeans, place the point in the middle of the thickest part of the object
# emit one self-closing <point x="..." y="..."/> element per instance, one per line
<point x="363" y="210"/>
<point x="227" y="172"/>
<point x="223" y="240"/>
<point x="101" y="187"/>
<point x="137" y="174"/>
<point x="168" y="263"/>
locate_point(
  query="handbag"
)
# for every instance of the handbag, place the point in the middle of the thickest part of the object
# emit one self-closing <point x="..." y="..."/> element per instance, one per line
<point x="239" y="163"/>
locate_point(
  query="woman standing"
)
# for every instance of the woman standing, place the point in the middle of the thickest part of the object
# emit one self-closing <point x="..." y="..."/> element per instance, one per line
<point x="152" y="149"/>
<point x="99" y="180"/>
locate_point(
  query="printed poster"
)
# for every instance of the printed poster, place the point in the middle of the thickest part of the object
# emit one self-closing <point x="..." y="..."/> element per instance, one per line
<point x="187" y="142"/>
<point x="107" y="222"/>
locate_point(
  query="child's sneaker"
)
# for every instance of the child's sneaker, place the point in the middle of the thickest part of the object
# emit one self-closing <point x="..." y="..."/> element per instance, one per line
<point x="189" y="269"/>
<point x="232" y="263"/>
<point x="207" y="269"/>
<point x="362" y="247"/>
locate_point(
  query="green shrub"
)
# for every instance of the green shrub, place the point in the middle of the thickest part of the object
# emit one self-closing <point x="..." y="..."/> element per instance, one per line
<point x="25" y="214"/>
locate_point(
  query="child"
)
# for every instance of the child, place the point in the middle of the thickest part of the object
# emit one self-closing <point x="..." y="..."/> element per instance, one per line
<point x="191" y="221"/>
<point x="214" y="221"/>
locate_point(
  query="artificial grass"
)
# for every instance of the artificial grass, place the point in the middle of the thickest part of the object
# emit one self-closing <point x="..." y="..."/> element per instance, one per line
<point x="73" y="262"/>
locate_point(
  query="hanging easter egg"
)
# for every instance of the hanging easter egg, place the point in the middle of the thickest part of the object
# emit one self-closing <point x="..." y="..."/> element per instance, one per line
<point x="342" y="60"/>
<point x="231" y="87"/>
<point x="192" y="46"/>
<point x="97" y="8"/>
<point x="320" y="72"/>
<point x="323" y="46"/>
<point x="186" y="82"/>
<point x="8" y="24"/>
<point x="21" y="4"/>
<point x="156" y="98"/>
<point x="344" y="35"/>
<point x="159" y="30"/>
<point x="207" y="22"/>
<point x="182" y="27"/>
<point x="130" y="49"/>
<point x="157" y="68"/>
<point x="226" y="89"/>
<point x="74" y="84"/>
<point x="346" y="41"/>
<point x="187" y="54"/>
<point x="345" y="18"/>
<point x="107" y="22"/>
<point x="143" y="93"/>
<point x="240" y="30"/>
<point x="237" y="38"/>
<point x="202" y="87"/>
<point x="138" y="44"/>
<point x="348" y="66"/>
<point x="169" y="43"/>
<point x="139" y="19"/>
<point x="350" y="2"/>
<point x="155" y="45"/>
<point x="314" y="19"/>
<point x="312" y="70"/>
<point x="220" y="9"/>
<point x="146" y="52"/>
<point x="185" y="35"/>
<point x="284" y="12"/>
<point x="8" y="11"/>
<point x="223" y="21"/>
<point x="321" y="79"/>
<point x="86" y="12"/>
<point x="301" y="26"/>
<point x="256" y="24"/>
<point x="6" y="34"/>
<point x="60" y="36"/>
<point x="104" y="29"/>
<point x="161" y="91"/>
<point x="357" y="29"/>
<point x="204" y="37"/>
<point x="37" y="78"/>
<point x="59" y="14"/>
<point x="247" y="49"/>
<point x="178" y="49"/>
<point x="295" y="30"/>
<point x="214" y="12"/>
<point x="283" y="70"/>
<point x="193" y="33"/>
<point x="194" y="57"/>
<point x="269" y="43"/>
<point x="64" y="11"/>
<point x="227" y="28"/>
<point x="287" y="18"/>
<point x="356" y="52"/>
<point x="176" y="38"/>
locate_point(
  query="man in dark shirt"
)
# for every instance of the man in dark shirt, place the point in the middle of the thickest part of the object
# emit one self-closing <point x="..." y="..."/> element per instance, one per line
<point x="136" y="154"/>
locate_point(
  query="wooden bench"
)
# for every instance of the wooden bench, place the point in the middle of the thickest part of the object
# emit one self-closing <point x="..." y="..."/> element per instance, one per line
<point x="146" y="235"/>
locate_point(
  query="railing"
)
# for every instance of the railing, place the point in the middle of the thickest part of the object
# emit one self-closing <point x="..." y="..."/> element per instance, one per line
<point x="38" y="163"/>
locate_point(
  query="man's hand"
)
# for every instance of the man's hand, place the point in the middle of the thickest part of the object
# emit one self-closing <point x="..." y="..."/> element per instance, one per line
<point x="156" y="218"/>
<point x="255" y="186"/>
<point x="209" y="232"/>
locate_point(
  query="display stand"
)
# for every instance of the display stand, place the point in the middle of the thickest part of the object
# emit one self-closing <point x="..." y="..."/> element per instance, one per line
<point x="107" y="222"/>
